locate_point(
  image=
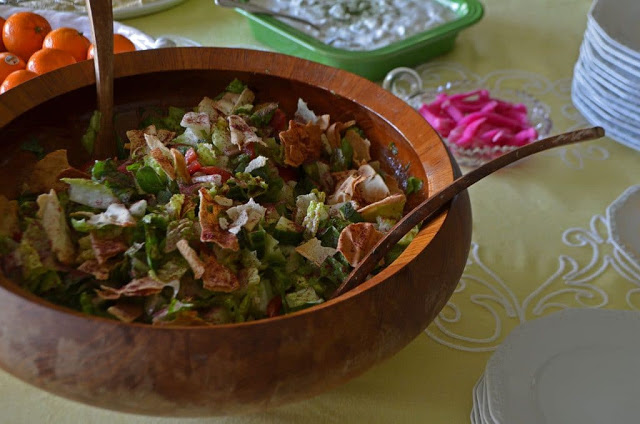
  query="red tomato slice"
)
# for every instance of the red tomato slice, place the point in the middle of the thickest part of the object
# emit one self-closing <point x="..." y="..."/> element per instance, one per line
<point x="274" y="306"/>
<point x="279" y="121"/>
<point x="194" y="167"/>
<point x="214" y="170"/>
<point x="250" y="149"/>
<point x="190" y="156"/>
<point x="288" y="174"/>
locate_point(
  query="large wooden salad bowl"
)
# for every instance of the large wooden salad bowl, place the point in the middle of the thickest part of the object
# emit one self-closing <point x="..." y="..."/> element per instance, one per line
<point x="235" y="368"/>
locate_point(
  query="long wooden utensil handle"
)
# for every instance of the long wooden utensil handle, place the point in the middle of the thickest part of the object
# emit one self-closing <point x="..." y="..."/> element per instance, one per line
<point x="428" y="208"/>
<point x="101" y="16"/>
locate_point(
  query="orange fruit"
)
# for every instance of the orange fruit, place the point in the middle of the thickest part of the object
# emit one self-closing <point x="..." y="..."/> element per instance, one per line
<point x="121" y="44"/>
<point x="2" y="48"/>
<point x="24" y="32"/>
<point x="70" y="40"/>
<point x="16" y="78"/>
<point x="9" y="62"/>
<point x="46" y="60"/>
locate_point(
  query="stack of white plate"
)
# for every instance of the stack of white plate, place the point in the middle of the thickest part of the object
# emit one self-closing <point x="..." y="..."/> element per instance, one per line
<point x="578" y="366"/>
<point x="606" y="80"/>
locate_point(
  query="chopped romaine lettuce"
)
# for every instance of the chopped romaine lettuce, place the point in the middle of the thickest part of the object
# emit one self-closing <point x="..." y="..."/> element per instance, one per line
<point x="236" y="86"/>
<point x="301" y="299"/>
<point x="33" y="145"/>
<point x="149" y="180"/>
<point x="317" y="212"/>
<point x="89" y="137"/>
<point x="341" y="158"/>
<point x="413" y="185"/>
<point x="262" y="114"/>
<point x="90" y="193"/>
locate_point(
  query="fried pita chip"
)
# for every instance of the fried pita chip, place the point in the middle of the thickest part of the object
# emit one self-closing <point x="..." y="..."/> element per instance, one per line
<point x="241" y="132"/>
<point x="166" y="136"/>
<point x="73" y="173"/>
<point x="153" y="142"/>
<point x="248" y="215"/>
<point x="197" y="121"/>
<point x="314" y="251"/>
<point x="106" y="248"/>
<point x="392" y="183"/>
<point x="218" y="277"/>
<point x="372" y="188"/>
<point x="227" y="103"/>
<point x="305" y="115"/>
<point x="360" y="146"/>
<point x="210" y="225"/>
<point x="208" y="106"/>
<point x="246" y="97"/>
<point x="302" y="143"/>
<point x="116" y="214"/>
<point x="100" y="272"/>
<point x="139" y="287"/>
<point x="54" y="222"/>
<point x="126" y="312"/>
<point x="389" y="207"/>
<point x="347" y="187"/>
<point x="9" y="212"/>
<point x="357" y="240"/>
<point x="180" y="165"/>
<point x="137" y="144"/>
<point x="164" y="163"/>
<point x="334" y="132"/>
<point x="192" y="258"/>
<point x="183" y="318"/>
<point x="44" y="176"/>
<point x="323" y="122"/>
<point x="223" y="201"/>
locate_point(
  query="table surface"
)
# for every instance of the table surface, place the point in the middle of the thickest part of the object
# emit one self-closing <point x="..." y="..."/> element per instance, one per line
<point x="541" y="239"/>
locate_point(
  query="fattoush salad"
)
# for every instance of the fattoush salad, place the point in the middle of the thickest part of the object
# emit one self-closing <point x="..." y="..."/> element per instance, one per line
<point x="227" y="213"/>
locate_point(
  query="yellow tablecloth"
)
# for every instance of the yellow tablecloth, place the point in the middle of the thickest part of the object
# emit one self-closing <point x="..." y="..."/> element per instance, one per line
<point x="540" y="236"/>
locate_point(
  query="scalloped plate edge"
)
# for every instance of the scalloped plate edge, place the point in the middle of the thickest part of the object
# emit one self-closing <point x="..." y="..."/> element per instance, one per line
<point x="623" y="216"/>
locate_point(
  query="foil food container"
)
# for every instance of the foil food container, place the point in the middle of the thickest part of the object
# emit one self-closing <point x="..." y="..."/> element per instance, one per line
<point x="371" y="64"/>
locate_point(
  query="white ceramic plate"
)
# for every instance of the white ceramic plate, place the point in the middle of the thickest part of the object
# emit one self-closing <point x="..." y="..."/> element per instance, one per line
<point x="612" y="128"/>
<point x="595" y="56"/>
<point x="619" y="20"/>
<point x="600" y="36"/>
<point x="123" y="9"/>
<point x="603" y="107"/>
<point x="612" y="57"/>
<point x="57" y="19"/>
<point x="624" y="223"/>
<point x="607" y="77"/>
<point x="143" y="9"/>
<point x="627" y="110"/>
<point x="475" y="409"/>
<point x="605" y="118"/>
<point x="578" y="366"/>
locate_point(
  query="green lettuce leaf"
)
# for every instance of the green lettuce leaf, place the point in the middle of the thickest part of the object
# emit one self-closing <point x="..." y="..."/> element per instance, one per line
<point x="413" y="185"/>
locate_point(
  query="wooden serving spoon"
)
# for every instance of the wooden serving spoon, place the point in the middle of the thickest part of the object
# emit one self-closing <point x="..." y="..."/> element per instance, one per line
<point x="101" y="16"/>
<point x="428" y="209"/>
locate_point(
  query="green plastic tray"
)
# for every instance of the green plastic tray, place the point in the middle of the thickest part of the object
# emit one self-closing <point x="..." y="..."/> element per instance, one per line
<point x="372" y="64"/>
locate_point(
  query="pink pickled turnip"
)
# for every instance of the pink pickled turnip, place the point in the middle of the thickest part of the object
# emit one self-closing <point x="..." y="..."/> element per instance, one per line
<point x="441" y="123"/>
<point x="475" y="119"/>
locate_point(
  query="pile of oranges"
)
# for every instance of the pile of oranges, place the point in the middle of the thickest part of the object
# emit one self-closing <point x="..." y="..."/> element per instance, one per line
<point x="29" y="47"/>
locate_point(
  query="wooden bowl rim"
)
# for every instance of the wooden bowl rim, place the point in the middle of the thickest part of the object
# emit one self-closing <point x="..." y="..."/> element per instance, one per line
<point x="73" y="77"/>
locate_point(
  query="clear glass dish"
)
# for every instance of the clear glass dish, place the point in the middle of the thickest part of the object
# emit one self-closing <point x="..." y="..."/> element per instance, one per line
<point x="407" y="84"/>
